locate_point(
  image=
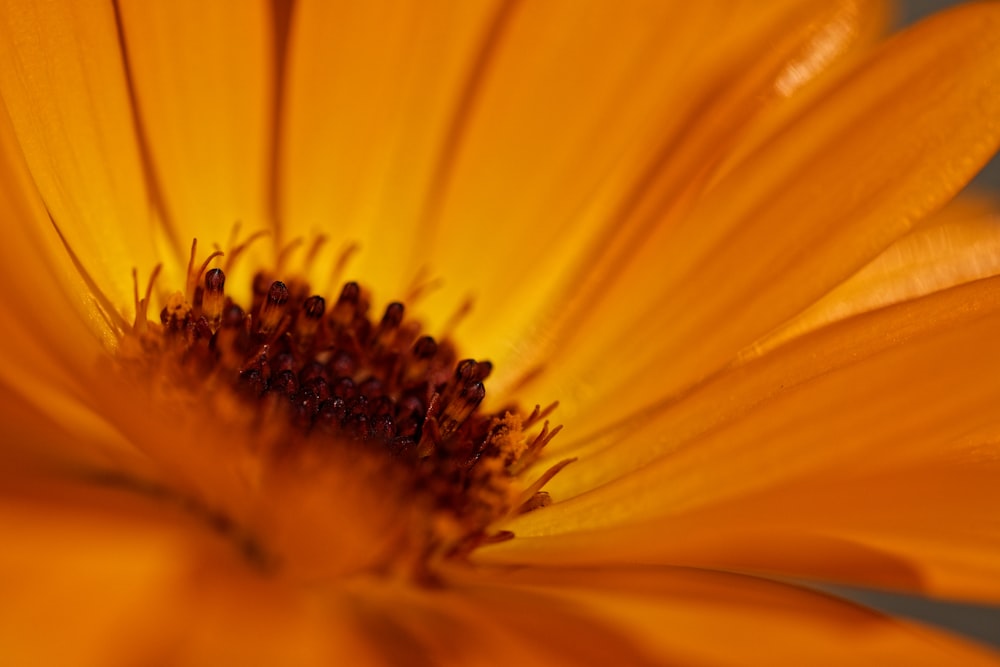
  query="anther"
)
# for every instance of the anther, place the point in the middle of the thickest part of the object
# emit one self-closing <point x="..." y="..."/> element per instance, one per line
<point x="273" y="310"/>
<point x="342" y="379"/>
<point x="312" y="370"/>
<point x="344" y="388"/>
<point x="176" y="313"/>
<point x="284" y="383"/>
<point x="314" y="307"/>
<point x="260" y="287"/>
<point x="214" y="299"/>
<point x="318" y="386"/>
<point x="424" y="348"/>
<point x="409" y="418"/>
<point x="343" y="363"/>
<point x="460" y="407"/>
<point x="387" y="328"/>
<point x="347" y="304"/>
<point x="308" y="320"/>
<point x="416" y="371"/>
<point x="393" y="315"/>
<point x="467" y="370"/>
<point x="483" y="370"/>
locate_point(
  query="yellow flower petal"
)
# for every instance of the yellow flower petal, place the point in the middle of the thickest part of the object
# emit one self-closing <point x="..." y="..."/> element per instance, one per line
<point x="576" y="125"/>
<point x="566" y="141"/>
<point x="204" y="79"/>
<point x="51" y="337"/>
<point x="843" y="396"/>
<point x="810" y="208"/>
<point x="65" y="90"/>
<point x="959" y="245"/>
<point x="364" y="117"/>
<point x="662" y="175"/>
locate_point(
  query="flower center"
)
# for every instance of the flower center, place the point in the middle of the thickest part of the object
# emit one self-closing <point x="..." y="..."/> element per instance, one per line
<point x="323" y="377"/>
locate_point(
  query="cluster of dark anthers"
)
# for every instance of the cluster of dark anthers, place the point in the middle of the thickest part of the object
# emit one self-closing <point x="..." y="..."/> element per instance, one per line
<point x="343" y="377"/>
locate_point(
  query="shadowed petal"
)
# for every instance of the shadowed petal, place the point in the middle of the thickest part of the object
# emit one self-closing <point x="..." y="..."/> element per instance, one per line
<point x="927" y="528"/>
<point x="700" y="617"/>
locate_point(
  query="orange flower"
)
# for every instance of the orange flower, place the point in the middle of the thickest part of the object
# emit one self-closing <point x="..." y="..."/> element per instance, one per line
<point x="711" y="231"/>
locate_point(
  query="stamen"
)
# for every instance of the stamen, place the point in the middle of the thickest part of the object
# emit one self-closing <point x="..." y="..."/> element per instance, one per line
<point x="460" y="314"/>
<point x="240" y="248"/>
<point x="272" y="312"/>
<point x="194" y="279"/>
<point x="214" y="300"/>
<point x="287" y="251"/>
<point x="422" y="285"/>
<point x="314" y="249"/>
<point x="347" y="307"/>
<point x="337" y="273"/>
<point x="307" y="322"/>
<point x="338" y="379"/>
<point x="142" y="305"/>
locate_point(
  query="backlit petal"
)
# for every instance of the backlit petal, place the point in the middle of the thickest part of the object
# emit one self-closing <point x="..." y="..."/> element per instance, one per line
<point x="824" y="401"/>
<point x="53" y="333"/>
<point x="959" y="245"/>
<point x="204" y="85"/>
<point x="797" y="217"/>
<point x="365" y="116"/>
<point x="566" y="138"/>
<point x="64" y="87"/>
<point x="500" y="164"/>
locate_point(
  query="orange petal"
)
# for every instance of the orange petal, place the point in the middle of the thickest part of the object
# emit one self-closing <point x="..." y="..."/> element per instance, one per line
<point x="82" y="574"/>
<point x="480" y="137"/>
<point x="567" y="136"/>
<point x="882" y="388"/>
<point x="129" y="581"/>
<point x="795" y="218"/>
<point x="46" y="423"/>
<point x="64" y="87"/>
<point x="54" y="332"/>
<point x="44" y="295"/>
<point x="204" y="77"/>
<point x="369" y="91"/>
<point x="959" y="245"/>
<point x="687" y="616"/>
<point x="938" y="517"/>
<point x="927" y="528"/>
<point x="473" y="624"/>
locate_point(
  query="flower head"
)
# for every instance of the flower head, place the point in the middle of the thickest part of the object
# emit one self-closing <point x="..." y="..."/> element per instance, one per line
<point x="717" y="236"/>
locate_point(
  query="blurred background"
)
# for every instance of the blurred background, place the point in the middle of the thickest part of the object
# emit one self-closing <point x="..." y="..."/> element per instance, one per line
<point x="979" y="622"/>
